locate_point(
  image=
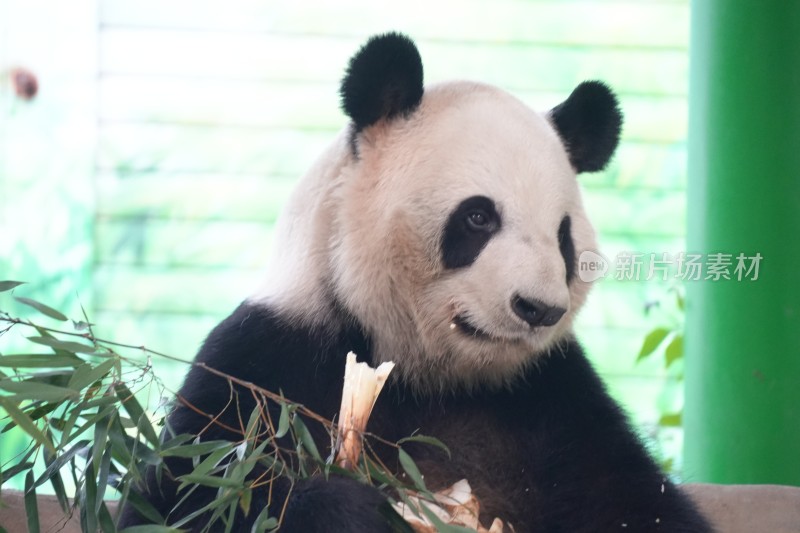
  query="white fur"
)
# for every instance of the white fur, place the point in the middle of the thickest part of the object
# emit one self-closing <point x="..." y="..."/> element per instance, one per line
<point x="366" y="232"/>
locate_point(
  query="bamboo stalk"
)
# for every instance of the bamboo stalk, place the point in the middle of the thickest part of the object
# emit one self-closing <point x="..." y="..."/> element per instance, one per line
<point x="362" y="385"/>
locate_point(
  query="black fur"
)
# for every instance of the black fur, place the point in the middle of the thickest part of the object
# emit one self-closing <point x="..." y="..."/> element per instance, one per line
<point x="566" y="246"/>
<point x="383" y="80"/>
<point x="553" y="453"/>
<point x="589" y="123"/>
<point x="462" y="239"/>
<point x="338" y="505"/>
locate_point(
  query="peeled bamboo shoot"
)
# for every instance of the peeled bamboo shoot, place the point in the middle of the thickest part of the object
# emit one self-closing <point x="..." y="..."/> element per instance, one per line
<point x="362" y="384"/>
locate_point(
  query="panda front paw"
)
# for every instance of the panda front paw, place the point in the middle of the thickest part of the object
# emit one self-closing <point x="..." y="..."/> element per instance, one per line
<point x="338" y="505"/>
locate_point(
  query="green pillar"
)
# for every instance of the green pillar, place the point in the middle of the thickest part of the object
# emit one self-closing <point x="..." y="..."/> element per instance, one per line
<point x="742" y="414"/>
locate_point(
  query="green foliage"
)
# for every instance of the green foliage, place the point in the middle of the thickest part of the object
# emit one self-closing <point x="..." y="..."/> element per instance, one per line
<point x="666" y="342"/>
<point x="79" y="404"/>
<point x="669" y="337"/>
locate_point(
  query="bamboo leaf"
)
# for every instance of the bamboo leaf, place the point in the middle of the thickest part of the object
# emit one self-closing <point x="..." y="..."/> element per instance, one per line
<point x="119" y="442"/>
<point x="135" y="411"/>
<point x="411" y="469"/>
<point x="100" y="440"/>
<point x="86" y="374"/>
<point x="89" y="497"/>
<point x="212" y="461"/>
<point x="253" y="424"/>
<point x="674" y="350"/>
<point x="34" y="390"/>
<point x="8" y="285"/>
<point x="147" y="510"/>
<point x="67" y="346"/>
<point x="283" y="422"/>
<point x="379" y="475"/>
<point x="210" y="481"/>
<point x="102" y="477"/>
<point x="244" y="501"/>
<point x="652" y="342"/>
<point x="433" y="441"/>
<point x="264" y="522"/>
<point x="680" y="300"/>
<point x="60" y="491"/>
<point x="259" y="450"/>
<point x="55" y="480"/>
<point x="194" y="450"/>
<point x="66" y="425"/>
<point x="90" y="418"/>
<point x="101" y="401"/>
<point x="231" y="517"/>
<point x="35" y="411"/>
<point x="674" y="420"/>
<point x="104" y="517"/>
<point x="143" y="453"/>
<point x="31" y="507"/>
<point x="305" y="438"/>
<point x="42" y="308"/>
<point x="242" y="468"/>
<point x="240" y="450"/>
<point x="27" y="425"/>
<point x="60" y="460"/>
<point x="214" y="504"/>
<point x="145" y="427"/>
<point x="10" y="472"/>
<point x="39" y="360"/>
<point x="176" y="441"/>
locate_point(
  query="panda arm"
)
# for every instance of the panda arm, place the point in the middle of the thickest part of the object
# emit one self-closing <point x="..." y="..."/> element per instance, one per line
<point x="552" y="453"/>
<point x="593" y="473"/>
<point x="257" y="345"/>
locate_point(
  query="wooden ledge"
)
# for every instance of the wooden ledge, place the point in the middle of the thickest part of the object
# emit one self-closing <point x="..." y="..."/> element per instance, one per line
<point x="732" y="509"/>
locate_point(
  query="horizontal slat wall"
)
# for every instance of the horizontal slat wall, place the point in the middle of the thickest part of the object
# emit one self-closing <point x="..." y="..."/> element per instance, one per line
<point x="643" y="24"/>
<point x="312" y="105"/>
<point x="152" y="146"/>
<point x="47" y="148"/>
<point x="256" y="56"/>
<point x="210" y="110"/>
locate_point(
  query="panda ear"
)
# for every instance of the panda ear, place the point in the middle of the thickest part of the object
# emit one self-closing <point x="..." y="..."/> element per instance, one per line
<point x="383" y="80"/>
<point x="589" y="123"/>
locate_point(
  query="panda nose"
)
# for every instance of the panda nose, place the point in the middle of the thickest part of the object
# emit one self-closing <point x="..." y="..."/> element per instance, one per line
<point x="536" y="313"/>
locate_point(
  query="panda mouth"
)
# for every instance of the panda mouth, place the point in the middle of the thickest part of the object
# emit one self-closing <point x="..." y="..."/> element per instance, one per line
<point x="464" y="326"/>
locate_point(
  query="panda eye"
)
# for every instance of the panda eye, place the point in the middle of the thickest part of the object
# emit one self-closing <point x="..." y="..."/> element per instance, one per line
<point x="468" y="228"/>
<point x="478" y="220"/>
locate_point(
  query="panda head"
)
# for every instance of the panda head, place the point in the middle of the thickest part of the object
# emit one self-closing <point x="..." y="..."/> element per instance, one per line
<point x="446" y="221"/>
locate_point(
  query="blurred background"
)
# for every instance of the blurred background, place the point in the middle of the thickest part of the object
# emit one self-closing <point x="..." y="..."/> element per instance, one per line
<point x="146" y="148"/>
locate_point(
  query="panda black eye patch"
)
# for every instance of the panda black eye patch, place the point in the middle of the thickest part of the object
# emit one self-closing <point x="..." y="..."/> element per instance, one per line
<point x="469" y="227"/>
<point x="566" y="246"/>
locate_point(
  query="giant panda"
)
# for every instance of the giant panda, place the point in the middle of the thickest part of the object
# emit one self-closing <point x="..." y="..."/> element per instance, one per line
<point x="440" y="230"/>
